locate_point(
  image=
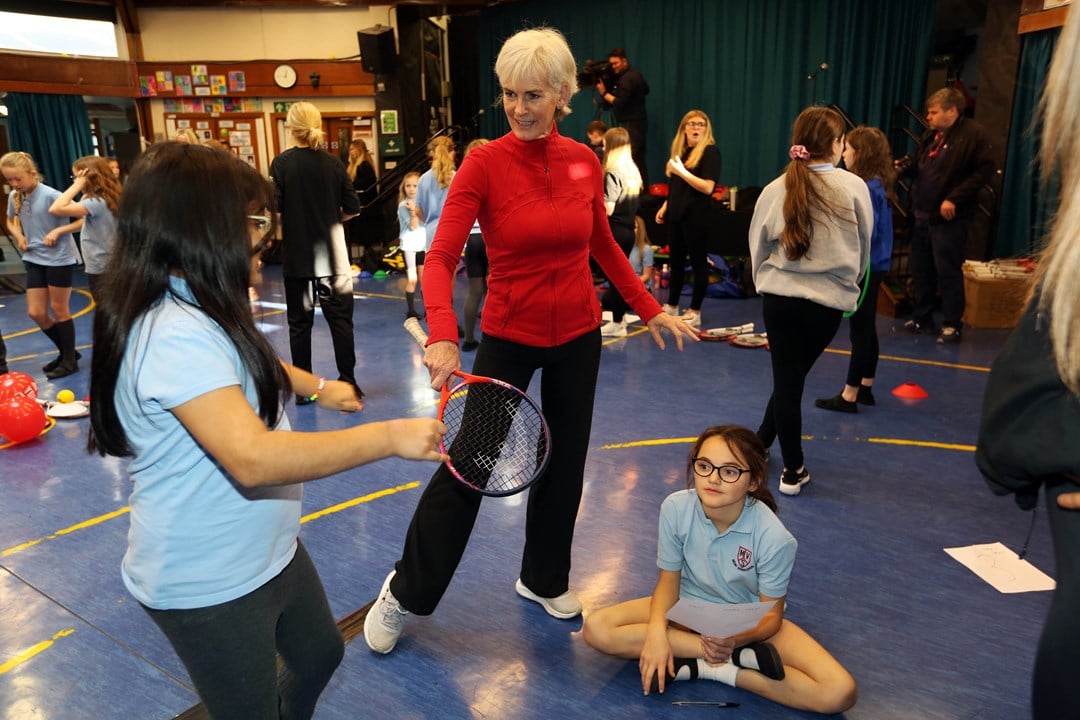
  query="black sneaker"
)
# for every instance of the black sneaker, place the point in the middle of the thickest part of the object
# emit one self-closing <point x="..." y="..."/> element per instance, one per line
<point x="917" y="327"/>
<point x="836" y="403"/>
<point x="760" y="656"/>
<point x="866" y="395"/>
<point x="949" y="335"/>
<point x="791" y="482"/>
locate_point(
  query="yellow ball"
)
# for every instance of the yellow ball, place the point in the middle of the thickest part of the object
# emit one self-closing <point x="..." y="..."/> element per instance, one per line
<point x="65" y="396"/>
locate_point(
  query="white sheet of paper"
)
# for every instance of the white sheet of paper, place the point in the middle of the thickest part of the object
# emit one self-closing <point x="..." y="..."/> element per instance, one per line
<point x="718" y="619"/>
<point x="1002" y="568"/>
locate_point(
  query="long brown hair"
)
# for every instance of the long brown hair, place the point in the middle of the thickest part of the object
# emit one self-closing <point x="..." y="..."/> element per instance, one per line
<point x="873" y="157"/>
<point x="100" y="181"/>
<point x="815" y="130"/>
<point x="748" y="449"/>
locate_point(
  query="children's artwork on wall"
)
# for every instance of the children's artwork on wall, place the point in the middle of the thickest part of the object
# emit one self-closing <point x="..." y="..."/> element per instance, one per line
<point x="183" y="85"/>
<point x="147" y="86"/>
<point x="217" y="85"/>
<point x="165" y="80"/>
<point x="199" y="76"/>
<point x="237" y="81"/>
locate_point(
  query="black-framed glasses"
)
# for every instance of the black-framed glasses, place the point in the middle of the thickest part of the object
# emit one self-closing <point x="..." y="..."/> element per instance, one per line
<point x="727" y="473"/>
<point x="697" y="124"/>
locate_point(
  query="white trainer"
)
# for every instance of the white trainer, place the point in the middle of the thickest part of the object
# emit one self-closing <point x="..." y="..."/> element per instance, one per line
<point x="693" y="319"/>
<point x="613" y="329"/>
<point x="564" y="607"/>
<point x="631" y="317"/>
<point x="385" y="620"/>
<point x="671" y="309"/>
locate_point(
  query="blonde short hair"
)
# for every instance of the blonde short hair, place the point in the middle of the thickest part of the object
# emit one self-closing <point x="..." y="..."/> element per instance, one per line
<point x="541" y="54"/>
<point x="304" y="123"/>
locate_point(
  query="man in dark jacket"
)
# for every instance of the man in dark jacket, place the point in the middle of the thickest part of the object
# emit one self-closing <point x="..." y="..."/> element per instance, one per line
<point x="623" y="91"/>
<point x="952" y="163"/>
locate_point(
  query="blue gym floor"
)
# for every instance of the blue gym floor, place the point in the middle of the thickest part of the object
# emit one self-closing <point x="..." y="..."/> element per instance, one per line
<point x="892" y="486"/>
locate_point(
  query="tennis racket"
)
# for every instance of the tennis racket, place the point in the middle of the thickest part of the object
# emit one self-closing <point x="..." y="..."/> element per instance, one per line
<point x="723" y="333"/>
<point x="496" y="435"/>
<point x="750" y="340"/>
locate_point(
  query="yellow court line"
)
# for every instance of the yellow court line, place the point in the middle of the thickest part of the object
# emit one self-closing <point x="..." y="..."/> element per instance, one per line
<point x="124" y="510"/>
<point x="938" y="363"/>
<point x="359" y="500"/>
<point x="357" y="293"/>
<point x="78" y="526"/>
<point x="876" y="441"/>
<point x="79" y="314"/>
<point x="33" y="650"/>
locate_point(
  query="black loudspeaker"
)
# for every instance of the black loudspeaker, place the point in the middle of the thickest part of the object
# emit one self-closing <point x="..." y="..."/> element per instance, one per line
<point x="377" y="52"/>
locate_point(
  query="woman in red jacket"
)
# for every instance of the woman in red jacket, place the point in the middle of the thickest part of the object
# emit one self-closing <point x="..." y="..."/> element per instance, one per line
<point x="539" y="198"/>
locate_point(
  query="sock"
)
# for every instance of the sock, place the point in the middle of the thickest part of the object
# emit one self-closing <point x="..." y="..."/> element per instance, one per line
<point x="410" y="300"/>
<point x="65" y="331"/>
<point x="725" y="673"/>
<point x="53" y="334"/>
<point x="746" y="657"/>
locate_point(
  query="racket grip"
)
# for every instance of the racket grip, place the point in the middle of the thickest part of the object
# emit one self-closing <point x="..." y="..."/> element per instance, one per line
<point x="412" y="326"/>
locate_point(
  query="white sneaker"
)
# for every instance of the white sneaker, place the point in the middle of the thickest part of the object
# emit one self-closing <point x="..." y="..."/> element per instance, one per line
<point x="693" y="319"/>
<point x="385" y="620"/>
<point x="671" y="309"/>
<point x="613" y="329"/>
<point x="631" y="317"/>
<point x="606" y="316"/>
<point x="564" y="607"/>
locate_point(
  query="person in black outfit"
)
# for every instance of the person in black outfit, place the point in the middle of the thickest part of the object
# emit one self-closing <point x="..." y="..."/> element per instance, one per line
<point x="694" y="169"/>
<point x="315" y="198"/>
<point x="367" y="229"/>
<point x="623" y="92"/>
<point x="1031" y="411"/>
<point x="951" y="164"/>
<point x="3" y="356"/>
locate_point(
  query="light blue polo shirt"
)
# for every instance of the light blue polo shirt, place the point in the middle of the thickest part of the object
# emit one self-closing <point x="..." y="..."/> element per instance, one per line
<point x="98" y="234"/>
<point x="430" y="198"/>
<point x="197" y="538"/>
<point x="36" y="220"/>
<point x="753" y="557"/>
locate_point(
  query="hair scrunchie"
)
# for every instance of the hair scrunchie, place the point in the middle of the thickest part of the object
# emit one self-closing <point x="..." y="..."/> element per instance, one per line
<point x="798" y="152"/>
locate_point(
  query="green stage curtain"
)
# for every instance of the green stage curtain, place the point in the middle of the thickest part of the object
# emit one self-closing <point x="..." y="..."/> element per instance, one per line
<point x="54" y="129"/>
<point x="1027" y="205"/>
<point x="744" y="62"/>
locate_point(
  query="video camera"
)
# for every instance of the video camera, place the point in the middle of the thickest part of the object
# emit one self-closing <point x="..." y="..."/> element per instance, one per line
<point x="593" y="71"/>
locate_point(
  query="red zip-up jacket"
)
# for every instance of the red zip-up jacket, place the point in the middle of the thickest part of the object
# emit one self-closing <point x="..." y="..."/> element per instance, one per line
<point x="541" y="210"/>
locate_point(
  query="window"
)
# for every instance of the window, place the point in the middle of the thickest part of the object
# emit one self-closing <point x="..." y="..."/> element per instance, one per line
<point x="57" y="35"/>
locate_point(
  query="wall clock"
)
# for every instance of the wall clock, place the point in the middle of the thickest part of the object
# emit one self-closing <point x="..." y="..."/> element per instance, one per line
<point x="285" y="76"/>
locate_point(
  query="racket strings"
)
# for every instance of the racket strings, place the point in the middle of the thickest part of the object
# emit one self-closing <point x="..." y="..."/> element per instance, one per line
<point x="495" y="438"/>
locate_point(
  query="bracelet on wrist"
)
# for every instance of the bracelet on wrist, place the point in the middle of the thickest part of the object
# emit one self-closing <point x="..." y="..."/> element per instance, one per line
<point x="315" y="395"/>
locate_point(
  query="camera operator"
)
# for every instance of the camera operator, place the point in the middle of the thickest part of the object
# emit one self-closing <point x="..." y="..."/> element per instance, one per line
<point x="623" y="89"/>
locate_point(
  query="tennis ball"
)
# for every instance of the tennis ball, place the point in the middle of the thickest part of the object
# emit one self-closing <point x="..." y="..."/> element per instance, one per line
<point x="65" y="396"/>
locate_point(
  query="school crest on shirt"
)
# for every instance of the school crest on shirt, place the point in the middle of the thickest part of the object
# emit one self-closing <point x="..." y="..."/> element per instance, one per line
<point x="744" y="559"/>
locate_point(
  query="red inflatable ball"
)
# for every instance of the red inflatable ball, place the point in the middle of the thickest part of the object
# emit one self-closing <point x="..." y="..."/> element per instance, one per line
<point x="21" y="419"/>
<point x="17" y="384"/>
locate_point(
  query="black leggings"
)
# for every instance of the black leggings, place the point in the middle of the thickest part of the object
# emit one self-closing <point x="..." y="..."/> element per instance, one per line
<point x="863" y="331"/>
<point x="688" y="236"/>
<point x="336" y="300"/>
<point x="613" y="299"/>
<point x="230" y="650"/>
<point x="799" y="331"/>
<point x="1055" y="692"/>
<point x="446" y="512"/>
